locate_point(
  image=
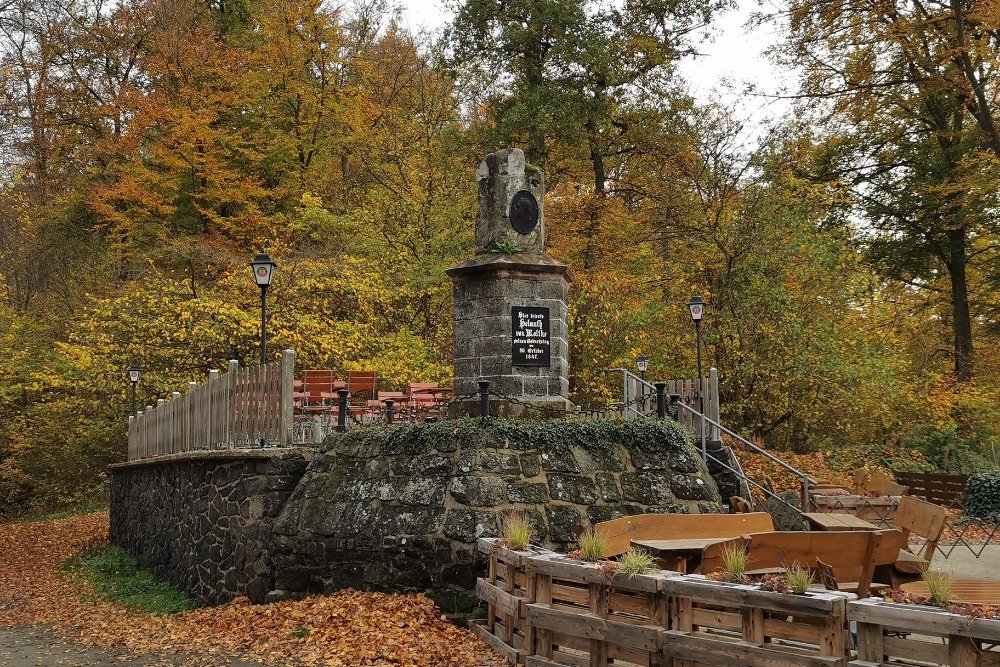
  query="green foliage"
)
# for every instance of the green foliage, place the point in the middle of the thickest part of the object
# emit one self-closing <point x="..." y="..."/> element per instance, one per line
<point x="876" y="457"/>
<point x="115" y="575"/>
<point x="648" y="437"/>
<point x="982" y="496"/>
<point x="950" y="451"/>
<point x="592" y="546"/>
<point x="506" y="246"/>
<point x="634" y="562"/>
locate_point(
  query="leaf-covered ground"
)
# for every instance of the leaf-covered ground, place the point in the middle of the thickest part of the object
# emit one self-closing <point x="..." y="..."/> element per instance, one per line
<point x="349" y="628"/>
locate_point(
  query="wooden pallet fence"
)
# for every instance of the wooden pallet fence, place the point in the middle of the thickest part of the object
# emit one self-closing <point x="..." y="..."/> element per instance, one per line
<point x="916" y="635"/>
<point x="581" y="615"/>
<point x="248" y="406"/>
<point x="505" y="590"/>
<point x="940" y="488"/>
<point x="720" y="624"/>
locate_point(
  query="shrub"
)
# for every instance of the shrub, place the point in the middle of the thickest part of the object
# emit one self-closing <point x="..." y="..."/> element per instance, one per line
<point x="982" y="495"/>
<point x="634" y="562"/>
<point x="593" y="546"/>
<point x="516" y="531"/>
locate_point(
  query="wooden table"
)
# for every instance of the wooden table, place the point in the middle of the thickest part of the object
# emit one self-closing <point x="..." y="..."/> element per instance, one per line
<point x="682" y="555"/>
<point x="968" y="591"/>
<point x="828" y="521"/>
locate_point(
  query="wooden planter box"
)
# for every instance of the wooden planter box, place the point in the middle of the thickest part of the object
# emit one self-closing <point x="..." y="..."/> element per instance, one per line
<point x="505" y="592"/>
<point x="907" y="634"/>
<point x="583" y="615"/>
<point x="715" y="623"/>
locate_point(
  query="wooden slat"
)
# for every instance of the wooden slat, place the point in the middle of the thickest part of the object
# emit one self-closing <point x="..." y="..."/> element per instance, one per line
<point x="503" y="602"/>
<point x="644" y="637"/>
<point x="922" y="620"/>
<point x="509" y="652"/>
<point x="713" y="651"/>
<point x="915" y="649"/>
<point x="716" y="618"/>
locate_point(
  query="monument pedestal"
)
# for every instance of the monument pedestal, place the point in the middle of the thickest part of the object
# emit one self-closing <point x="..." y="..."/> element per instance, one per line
<point x="493" y="295"/>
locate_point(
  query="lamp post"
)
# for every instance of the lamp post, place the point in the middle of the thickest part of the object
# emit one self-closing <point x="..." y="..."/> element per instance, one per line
<point x="697" y="307"/>
<point x="642" y="363"/>
<point x="133" y="374"/>
<point x="263" y="273"/>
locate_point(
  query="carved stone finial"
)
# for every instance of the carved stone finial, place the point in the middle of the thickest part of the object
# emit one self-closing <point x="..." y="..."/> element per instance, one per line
<point x="504" y="178"/>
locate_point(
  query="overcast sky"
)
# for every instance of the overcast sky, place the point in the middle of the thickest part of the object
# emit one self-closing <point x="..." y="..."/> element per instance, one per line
<point x="731" y="53"/>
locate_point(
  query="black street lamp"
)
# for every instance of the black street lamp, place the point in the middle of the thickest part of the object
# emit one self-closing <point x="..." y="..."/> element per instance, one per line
<point x="263" y="273"/>
<point x="133" y="374"/>
<point x="642" y="363"/>
<point x="697" y="307"/>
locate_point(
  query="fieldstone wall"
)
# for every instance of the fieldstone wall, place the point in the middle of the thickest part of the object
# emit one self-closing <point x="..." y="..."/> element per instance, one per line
<point x="203" y="520"/>
<point x="401" y="508"/>
<point x="394" y="508"/>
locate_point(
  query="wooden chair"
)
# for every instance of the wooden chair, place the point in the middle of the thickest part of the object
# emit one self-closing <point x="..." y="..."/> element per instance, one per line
<point x="361" y="384"/>
<point x="318" y="387"/>
<point x="921" y="518"/>
<point x="884" y="485"/>
<point x="853" y="555"/>
<point x="620" y="532"/>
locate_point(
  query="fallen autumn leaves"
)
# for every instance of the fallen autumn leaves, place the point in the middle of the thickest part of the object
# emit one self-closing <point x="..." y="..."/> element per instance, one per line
<point x="348" y="628"/>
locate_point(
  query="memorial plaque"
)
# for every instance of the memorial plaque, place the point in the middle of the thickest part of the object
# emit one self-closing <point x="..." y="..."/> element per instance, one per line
<point x="530" y="343"/>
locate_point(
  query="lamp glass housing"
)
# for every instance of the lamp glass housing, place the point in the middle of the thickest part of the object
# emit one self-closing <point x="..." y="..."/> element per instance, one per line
<point x="642" y="363"/>
<point x="133" y="374"/>
<point x="263" y="270"/>
<point x="697" y="308"/>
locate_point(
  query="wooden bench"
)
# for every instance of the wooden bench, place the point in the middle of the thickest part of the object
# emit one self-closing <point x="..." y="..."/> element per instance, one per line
<point x="620" y="532"/>
<point x="853" y="555"/>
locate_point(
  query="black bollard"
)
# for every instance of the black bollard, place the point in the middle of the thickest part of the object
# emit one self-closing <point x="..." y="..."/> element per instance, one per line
<point x="388" y="410"/>
<point x="661" y="400"/>
<point x="484" y="398"/>
<point x="342" y="417"/>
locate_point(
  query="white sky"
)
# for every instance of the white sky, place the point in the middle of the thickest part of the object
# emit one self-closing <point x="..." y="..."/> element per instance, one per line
<point x="732" y="57"/>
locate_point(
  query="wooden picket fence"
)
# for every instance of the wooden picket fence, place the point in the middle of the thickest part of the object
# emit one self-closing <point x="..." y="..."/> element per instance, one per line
<point x="249" y="406"/>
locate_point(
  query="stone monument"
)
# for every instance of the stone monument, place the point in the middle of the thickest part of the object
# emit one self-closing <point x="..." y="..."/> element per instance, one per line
<point x="510" y="299"/>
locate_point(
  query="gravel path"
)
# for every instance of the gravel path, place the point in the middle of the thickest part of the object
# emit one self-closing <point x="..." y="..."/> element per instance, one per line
<point x="37" y="646"/>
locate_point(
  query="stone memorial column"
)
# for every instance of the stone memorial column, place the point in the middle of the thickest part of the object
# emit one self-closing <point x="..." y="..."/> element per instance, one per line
<point x="510" y="299"/>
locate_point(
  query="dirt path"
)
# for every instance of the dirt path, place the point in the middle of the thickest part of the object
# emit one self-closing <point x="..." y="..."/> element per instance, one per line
<point x="38" y="646"/>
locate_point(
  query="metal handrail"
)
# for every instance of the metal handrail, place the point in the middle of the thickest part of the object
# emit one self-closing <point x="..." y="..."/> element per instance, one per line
<point x="629" y="406"/>
<point x="766" y="491"/>
<point x="795" y="471"/>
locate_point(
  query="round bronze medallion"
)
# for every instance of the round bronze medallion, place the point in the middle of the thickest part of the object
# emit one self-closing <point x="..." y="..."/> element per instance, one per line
<point x="523" y="212"/>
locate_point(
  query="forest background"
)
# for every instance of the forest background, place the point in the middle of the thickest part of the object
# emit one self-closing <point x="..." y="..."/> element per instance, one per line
<point x="152" y="147"/>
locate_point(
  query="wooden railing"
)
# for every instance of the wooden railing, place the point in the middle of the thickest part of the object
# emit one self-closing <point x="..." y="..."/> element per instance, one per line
<point x="547" y="610"/>
<point x="941" y="488"/>
<point x="249" y="406"/>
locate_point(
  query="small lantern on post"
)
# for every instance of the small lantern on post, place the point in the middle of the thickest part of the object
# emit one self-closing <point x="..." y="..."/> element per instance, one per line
<point x="134" y="373"/>
<point x="263" y="274"/>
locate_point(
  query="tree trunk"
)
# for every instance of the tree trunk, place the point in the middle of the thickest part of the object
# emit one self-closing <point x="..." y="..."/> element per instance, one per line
<point x="961" y="318"/>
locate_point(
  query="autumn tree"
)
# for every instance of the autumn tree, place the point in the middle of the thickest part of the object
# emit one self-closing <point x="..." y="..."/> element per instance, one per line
<point x="910" y="99"/>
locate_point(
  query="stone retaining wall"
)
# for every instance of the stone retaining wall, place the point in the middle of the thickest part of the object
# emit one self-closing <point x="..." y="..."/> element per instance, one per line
<point x="203" y="520"/>
<point x="397" y="509"/>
